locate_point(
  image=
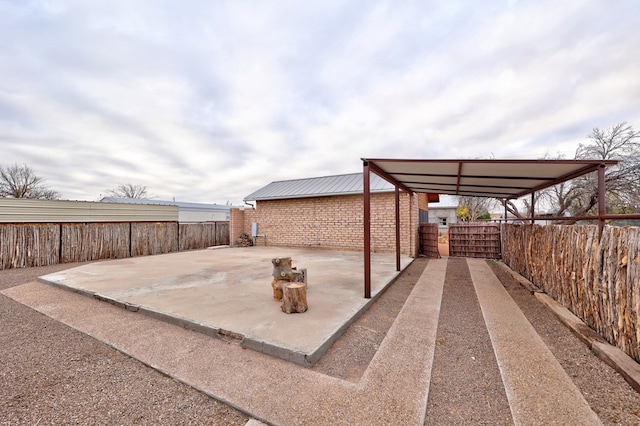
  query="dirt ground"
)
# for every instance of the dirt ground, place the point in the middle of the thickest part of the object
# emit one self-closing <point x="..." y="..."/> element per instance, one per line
<point x="52" y="374"/>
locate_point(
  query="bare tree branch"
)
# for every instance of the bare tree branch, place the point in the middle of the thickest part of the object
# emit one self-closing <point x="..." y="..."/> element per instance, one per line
<point x="622" y="181"/>
<point x="19" y="181"/>
<point x="129" y="190"/>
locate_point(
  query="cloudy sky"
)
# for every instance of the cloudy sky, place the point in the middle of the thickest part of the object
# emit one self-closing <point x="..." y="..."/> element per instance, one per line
<point x="207" y="101"/>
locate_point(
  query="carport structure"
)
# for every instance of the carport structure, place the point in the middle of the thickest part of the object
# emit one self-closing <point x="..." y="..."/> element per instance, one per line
<point x="501" y="179"/>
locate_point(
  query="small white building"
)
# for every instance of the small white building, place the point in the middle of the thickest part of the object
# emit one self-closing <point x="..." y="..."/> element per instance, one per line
<point x="187" y="212"/>
<point x="444" y="212"/>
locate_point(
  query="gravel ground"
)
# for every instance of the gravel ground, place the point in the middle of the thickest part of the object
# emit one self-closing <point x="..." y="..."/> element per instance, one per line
<point x="466" y="385"/>
<point x="608" y="394"/>
<point x="52" y="374"/>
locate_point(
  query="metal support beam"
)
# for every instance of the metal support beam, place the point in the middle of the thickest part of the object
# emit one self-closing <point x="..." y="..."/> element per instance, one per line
<point x="367" y="228"/>
<point x="533" y="204"/>
<point x="505" y="210"/>
<point x="397" y="229"/>
<point x="602" y="209"/>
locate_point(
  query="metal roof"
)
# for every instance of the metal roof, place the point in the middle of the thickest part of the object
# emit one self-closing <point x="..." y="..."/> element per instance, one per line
<point x="318" y="187"/>
<point x="181" y="204"/>
<point x="481" y="178"/>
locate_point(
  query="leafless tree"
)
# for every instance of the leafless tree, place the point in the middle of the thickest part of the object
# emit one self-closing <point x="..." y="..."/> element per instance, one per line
<point x="622" y="181"/>
<point x="471" y="208"/>
<point x="19" y="181"/>
<point x="129" y="190"/>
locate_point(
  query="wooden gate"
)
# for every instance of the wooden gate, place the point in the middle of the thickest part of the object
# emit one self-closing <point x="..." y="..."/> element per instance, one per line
<point x="475" y="239"/>
<point x="429" y="240"/>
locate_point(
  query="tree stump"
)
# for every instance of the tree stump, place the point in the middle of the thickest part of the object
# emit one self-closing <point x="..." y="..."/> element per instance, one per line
<point x="282" y="269"/>
<point x="277" y="286"/>
<point x="294" y="298"/>
<point x="300" y="276"/>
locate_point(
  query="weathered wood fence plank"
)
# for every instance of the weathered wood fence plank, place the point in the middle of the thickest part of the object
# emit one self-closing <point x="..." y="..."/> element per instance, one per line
<point x="597" y="281"/>
<point x="25" y="244"/>
<point x="475" y="239"/>
<point x="82" y="242"/>
<point x="429" y="240"/>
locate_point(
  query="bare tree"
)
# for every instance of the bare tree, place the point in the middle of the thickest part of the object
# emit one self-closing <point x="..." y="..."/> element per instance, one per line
<point x="622" y="181"/>
<point x="129" y="190"/>
<point x="471" y="208"/>
<point x="19" y="181"/>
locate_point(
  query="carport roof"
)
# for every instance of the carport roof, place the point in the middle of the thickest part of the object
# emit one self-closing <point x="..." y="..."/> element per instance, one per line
<point x="481" y="178"/>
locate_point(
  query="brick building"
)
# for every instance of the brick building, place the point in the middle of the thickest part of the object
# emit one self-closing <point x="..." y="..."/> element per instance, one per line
<point x="327" y="212"/>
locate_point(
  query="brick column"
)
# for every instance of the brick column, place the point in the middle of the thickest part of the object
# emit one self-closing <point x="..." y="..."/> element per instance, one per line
<point x="236" y="224"/>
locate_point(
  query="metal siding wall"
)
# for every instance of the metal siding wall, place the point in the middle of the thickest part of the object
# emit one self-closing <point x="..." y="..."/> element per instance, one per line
<point x="14" y="210"/>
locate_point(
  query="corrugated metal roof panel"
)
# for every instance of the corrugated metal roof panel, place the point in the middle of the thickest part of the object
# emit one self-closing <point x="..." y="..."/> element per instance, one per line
<point x="319" y="187"/>
<point x="182" y="205"/>
<point x="21" y="210"/>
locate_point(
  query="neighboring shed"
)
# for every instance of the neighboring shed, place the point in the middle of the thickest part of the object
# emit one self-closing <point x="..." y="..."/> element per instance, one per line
<point x="23" y="210"/>
<point x="326" y="212"/>
<point x="187" y="212"/>
<point x="444" y="212"/>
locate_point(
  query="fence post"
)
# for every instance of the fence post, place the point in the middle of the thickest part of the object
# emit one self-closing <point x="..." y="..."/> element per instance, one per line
<point x="601" y="204"/>
<point x="60" y="245"/>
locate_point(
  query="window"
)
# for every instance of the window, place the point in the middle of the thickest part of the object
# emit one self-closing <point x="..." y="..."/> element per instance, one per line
<point x="442" y="221"/>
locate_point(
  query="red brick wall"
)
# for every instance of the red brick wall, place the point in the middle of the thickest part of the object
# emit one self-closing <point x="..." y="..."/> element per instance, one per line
<point x="331" y="222"/>
<point x="236" y="225"/>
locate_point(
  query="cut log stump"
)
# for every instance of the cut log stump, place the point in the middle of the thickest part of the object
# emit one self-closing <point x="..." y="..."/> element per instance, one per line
<point x="294" y="298"/>
<point x="300" y="276"/>
<point x="282" y="269"/>
<point x="277" y="286"/>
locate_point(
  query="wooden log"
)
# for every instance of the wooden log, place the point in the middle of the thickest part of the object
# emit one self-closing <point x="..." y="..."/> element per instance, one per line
<point x="294" y="298"/>
<point x="282" y="268"/>
<point x="300" y="276"/>
<point x="277" y="286"/>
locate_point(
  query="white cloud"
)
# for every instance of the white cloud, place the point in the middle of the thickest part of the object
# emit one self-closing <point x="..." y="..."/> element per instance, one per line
<point x="208" y="101"/>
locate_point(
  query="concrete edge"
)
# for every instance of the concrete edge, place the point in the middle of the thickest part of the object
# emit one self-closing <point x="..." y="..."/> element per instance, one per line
<point x="522" y="280"/>
<point x="315" y="356"/>
<point x="300" y="358"/>
<point x="611" y="355"/>
<point x="540" y="381"/>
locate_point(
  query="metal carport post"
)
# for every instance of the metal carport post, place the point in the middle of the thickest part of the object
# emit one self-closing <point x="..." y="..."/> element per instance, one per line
<point x="366" y="186"/>
<point x="367" y="230"/>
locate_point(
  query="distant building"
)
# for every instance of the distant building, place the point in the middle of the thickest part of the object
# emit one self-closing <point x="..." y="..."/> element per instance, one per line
<point x="444" y="212"/>
<point x="187" y="212"/>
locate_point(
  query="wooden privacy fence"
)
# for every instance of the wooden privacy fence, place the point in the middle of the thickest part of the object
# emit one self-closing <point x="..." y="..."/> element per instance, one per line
<point x="25" y="245"/>
<point x="474" y="239"/>
<point x="597" y="281"/>
<point x="429" y="240"/>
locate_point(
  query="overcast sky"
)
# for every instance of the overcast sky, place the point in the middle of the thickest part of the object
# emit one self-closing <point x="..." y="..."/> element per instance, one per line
<point x="207" y="101"/>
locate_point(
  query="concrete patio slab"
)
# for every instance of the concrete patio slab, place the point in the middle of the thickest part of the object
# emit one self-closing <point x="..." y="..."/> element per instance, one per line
<point x="392" y="391"/>
<point x="227" y="293"/>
